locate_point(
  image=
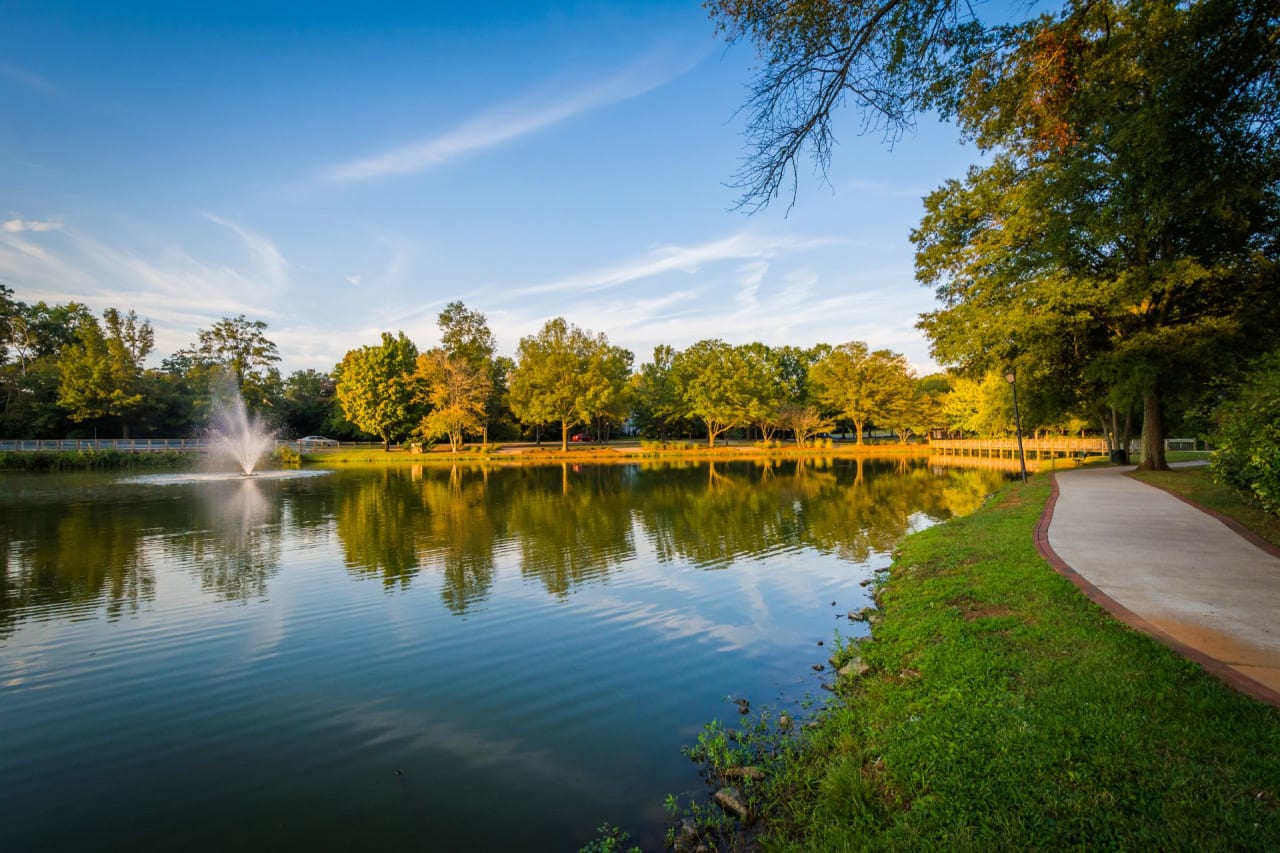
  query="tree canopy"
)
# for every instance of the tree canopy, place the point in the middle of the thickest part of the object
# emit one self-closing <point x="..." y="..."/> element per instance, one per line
<point x="376" y="389"/>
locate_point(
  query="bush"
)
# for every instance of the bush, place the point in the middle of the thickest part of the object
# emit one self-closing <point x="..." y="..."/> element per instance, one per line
<point x="1248" y="437"/>
<point x="286" y="455"/>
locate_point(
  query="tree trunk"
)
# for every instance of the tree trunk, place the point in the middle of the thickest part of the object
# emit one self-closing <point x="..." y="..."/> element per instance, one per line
<point x="564" y="436"/>
<point x="386" y="444"/>
<point x="857" y="428"/>
<point x="1152" y="433"/>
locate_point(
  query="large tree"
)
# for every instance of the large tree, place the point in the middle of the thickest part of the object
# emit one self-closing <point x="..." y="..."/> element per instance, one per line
<point x="101" y="373"/>
<point x="465" y="334"/>
<point x="889" y="58"/>
<point x="862" y="385"/>
<point x="715" y="386"/>
<point x="240" y="349"/>
<point x="566" y="375"/>
<point x="457" y="391"/>
<point x="1122" y="241"/>
<point x="376" y="388"/>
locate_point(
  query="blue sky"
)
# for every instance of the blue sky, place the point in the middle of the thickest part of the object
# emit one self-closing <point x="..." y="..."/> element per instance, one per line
<point x="343" y="169"/>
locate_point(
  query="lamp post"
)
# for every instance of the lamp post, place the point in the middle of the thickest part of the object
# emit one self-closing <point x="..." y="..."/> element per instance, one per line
<point x="1012" y="378"/>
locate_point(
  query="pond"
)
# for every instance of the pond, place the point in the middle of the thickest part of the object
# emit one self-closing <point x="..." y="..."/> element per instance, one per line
<point x="465" y="658"/>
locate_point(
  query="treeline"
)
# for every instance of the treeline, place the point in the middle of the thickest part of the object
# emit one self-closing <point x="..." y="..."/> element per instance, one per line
<point x="66" y="373"/>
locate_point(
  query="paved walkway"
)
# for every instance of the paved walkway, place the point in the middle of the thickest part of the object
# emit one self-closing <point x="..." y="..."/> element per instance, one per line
<point x="1172" y="571"/>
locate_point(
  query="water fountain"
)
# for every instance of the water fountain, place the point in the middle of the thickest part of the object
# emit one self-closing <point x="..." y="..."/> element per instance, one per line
<point x="236" y="434"/>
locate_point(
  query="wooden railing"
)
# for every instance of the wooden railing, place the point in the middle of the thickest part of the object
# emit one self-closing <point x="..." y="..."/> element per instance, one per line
<point x="1035" y="448"/>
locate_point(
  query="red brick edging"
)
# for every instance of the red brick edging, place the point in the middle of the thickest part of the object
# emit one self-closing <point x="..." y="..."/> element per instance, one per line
<point x="1232" y="677"/>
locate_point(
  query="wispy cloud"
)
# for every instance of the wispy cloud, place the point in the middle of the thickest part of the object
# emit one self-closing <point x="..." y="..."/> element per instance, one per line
<point x="17" y="226"/>
<point x="689" y="259"/>
<point x="511" y="121"/>
<point x="262" y="251"/>
<point x="28" y="79"/>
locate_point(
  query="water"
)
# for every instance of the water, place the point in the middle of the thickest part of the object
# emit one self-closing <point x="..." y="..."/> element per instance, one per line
<point x="432" y="658"/>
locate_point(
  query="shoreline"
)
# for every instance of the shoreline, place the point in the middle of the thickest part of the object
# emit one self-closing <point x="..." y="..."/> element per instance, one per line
<point x="995" y="707"/>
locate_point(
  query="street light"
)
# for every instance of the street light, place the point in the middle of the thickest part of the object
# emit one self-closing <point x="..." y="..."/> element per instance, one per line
<point x="1012" y="378"/>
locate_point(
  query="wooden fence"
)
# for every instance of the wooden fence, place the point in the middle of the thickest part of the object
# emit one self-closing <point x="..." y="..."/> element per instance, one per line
<point x="1035" y="448"/>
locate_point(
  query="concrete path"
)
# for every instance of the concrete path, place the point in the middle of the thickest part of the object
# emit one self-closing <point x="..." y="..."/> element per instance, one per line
<point x="1172" y="571"/>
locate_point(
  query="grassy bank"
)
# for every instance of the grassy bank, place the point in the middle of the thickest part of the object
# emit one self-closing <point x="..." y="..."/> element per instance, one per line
<point x="97" y="460"/>
<point x="1003" y="710"/>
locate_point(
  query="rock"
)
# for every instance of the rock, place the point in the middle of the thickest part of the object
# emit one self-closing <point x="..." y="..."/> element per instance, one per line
<point x="854" y="668"/>
<point x="784" y="722"/>
<point x="833" y="604"/>
<point x="686" y="839"/>
<point x="834" y="660"/>
<point x="731" y="800"/>
<point x="819" y="642"/>
<point x="744" y="706"/>
<point x="867" y="582"/>
<point x="753" y="773"/>
<point x="866" y="614"/>
<point x="817" y="667"/>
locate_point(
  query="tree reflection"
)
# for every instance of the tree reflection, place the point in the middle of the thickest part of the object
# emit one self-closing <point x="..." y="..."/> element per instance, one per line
<point x="567" y="525"/>
<point x="380" y="518"/>
<point x="62" y="554"/>
<point x="463" y="524"/>
<point x="573" y="524"/>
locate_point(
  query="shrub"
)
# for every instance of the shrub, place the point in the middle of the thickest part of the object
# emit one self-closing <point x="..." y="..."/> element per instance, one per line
<point x="286" y="455"/>
<point x="1248" y="437"/>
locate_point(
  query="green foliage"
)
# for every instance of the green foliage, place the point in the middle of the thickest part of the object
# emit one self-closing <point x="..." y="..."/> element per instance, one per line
<point x="457" y="392"/>
<point x="1248" y="435"/>
<point x="1119" y="245"/>
<point x="376" y="389"/>
<point x="1004" y="711"/>
<point x="287" y="456"/>
<point x="609" y="839"/>
<point x="714" y="384"/>
<point x="102" y="371"/>
<point x="96" y="460"/>
<point x="568" y="376"/>
<point x="862" y="385"/>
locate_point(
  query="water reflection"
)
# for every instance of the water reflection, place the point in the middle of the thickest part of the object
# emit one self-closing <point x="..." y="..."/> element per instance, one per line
<point x="77" y="543"/>
<point x="234" y="541"/>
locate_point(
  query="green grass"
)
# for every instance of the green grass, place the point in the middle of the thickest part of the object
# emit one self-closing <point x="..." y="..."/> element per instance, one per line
<point x="1197" y="485"/>
<point x="1003" y="711"/>
<point x="96" y="460"/>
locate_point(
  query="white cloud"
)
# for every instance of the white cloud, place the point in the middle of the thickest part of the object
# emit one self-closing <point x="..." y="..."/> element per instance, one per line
<point x="270" y="262"/>
<point x="510" y="122"/>
<point x="687" y="259"/>
<point x="29" y="79"/>
<point x="17" y="226"/>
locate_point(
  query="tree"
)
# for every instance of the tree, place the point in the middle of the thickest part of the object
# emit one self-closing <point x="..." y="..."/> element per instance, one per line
<point x="465" y="334"/>
<point x="804" y="421"/>
<point x="376" y="390"/>
<point x="606" y="397"/>
<point x="1123" y="239"/>
<point x="714" y="386"/>
<point x="241" y="347"/>
<point x="308" y="401"/>
<point x="457" y="391"/>
<point x="565" y="375"/>
<point x="101" y="373"/>
<point x="889" y="57"/>
<point x="658" y="403"/>
<point x="862" y="385"/>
